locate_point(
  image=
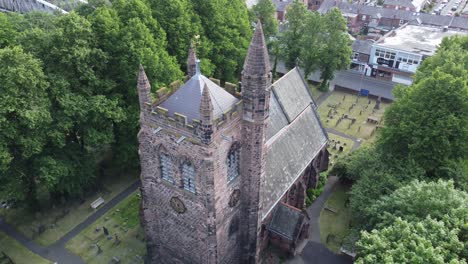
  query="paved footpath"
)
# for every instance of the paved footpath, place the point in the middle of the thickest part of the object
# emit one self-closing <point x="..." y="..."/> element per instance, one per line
<point x="314" y="251"/>
<point x="57" y="251"/>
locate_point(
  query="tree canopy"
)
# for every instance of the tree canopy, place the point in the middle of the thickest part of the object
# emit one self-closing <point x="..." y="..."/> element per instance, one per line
<point x="315" y="41"/>
<point x="265" y="11"/>
<point x="428" y="241"/>
<point x="428" y="122"/>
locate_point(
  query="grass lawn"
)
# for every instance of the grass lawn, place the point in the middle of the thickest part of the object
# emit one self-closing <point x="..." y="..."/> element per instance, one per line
<point x="25" y="221"/>
<point x="334" y="227"/>
<point x="316" y="93"/>
<point x="17" y="252"/>
<point x="361" y="111"/>
<point x="123" y="221"/>
<point x="345" y="142"/>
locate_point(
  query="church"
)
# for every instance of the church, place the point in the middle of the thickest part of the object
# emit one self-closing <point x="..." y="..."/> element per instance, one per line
<point x="224" y="171"/>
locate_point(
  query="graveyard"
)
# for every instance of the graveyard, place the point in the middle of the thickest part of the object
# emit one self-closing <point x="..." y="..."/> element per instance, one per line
<point x="49" y="225"/>
<point x="356" y="116"/>
<point x="335" y="218"/>
<point x="116" y="237"/>
<point x="338" y="146"/>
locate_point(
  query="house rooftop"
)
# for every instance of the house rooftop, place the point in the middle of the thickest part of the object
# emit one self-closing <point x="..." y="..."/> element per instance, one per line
<point x="281" y="5"/>
<point x="416" y="39"/>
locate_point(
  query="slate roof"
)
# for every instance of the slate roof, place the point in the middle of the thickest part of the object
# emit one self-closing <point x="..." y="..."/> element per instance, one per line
<point x="286" y="221"/>
<point x="281" y="5"/>
<point x="295" y="135"/>
<point x="376" y="11"/>
<point x="186" y="100"/>
<point x="405" y="3"/>
<point x="362" y="46"/>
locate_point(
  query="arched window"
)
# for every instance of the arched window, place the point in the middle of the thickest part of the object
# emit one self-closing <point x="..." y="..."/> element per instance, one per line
<point x="188" y="175"/>
<point x="233" y="162"/>
<point x="166" y="168"/>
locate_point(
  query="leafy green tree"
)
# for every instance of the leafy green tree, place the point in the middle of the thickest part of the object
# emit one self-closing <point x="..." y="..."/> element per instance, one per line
<point x="290" y="39"/>
<point x="226" y="25"/>
<point x="180" y="23"/>
<point x="336" y="54"/>
<point x="7" y="32"/>
<point x="316" y="42"/>
<point x="429" y="120"/>
<point x="265" y="11"/>
<point x="428" y="241"/>
<point x="379" y="179"/>
<point x="312" y="43"/>
<point x="418" y="200"/>
<point x="24" y="121"/>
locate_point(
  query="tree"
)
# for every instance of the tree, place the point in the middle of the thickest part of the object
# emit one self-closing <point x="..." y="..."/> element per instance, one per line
<point x="7" y="32"/>
<point x="24" y="120"/>
<point x="226" y="25"/>
<point x="294" y="30"/>
<point x="312" y="44"/>
<point x="316" y="42"/>
<point x="429" y="120"/>
<point x="429" y="241"/>
<point x="265" y="11"/>
<point x="336" y="54"/>
<point x="376" y="180"/>
<point x="418" y="200"/>
<point x="180" y="23"/>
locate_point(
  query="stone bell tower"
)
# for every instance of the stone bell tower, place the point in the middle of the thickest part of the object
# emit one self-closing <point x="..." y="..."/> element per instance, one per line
<point x="190" y="155"/>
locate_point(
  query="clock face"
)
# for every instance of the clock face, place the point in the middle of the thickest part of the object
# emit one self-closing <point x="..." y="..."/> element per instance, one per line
<point x="178" y="205"/>
<point x="234" y="199"/>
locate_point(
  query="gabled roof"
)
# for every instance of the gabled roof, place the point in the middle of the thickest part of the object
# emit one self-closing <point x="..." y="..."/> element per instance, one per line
<point x="286" y="221"/>
<point x="186" y="100"/>
<point x="294" y="137"/>
<point x="281" y="5"/>
<point x="388" y="13"/>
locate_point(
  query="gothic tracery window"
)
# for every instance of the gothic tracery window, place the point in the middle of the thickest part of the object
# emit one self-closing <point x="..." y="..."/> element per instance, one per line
<point x="188" y="175"/>
<point x="233" y="162"/>
<point x="166" y="168"/>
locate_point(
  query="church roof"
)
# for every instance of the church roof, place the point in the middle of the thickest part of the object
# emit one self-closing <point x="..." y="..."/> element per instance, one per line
<point x="186" y="100"/>
<point x="294" y="137"/>
<point x="286" y="221"/>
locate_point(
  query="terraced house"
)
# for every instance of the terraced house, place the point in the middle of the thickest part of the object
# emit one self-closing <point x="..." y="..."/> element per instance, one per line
<point x="225" y="174"/>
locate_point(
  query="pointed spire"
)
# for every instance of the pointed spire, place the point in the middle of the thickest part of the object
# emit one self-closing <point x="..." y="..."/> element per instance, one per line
<point x="257" y="61"/>
<point x="206" y="107"/>
<point x="206" y="116"/>
<point x="144" y="88"/>
<point x="191" y="62"/>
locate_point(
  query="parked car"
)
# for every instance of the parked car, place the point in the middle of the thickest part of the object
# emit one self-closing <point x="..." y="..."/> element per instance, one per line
<point x="454" y="8"/>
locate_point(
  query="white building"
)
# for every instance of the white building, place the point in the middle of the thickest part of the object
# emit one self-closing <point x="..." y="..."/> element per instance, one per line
<point x="398" y="54"/>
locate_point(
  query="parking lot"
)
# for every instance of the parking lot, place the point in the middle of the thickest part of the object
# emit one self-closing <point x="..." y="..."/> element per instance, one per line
<point x="449" y="7"/>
